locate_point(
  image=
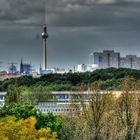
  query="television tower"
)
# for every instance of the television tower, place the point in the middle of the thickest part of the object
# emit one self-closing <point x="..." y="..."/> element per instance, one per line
<point x="44" y="37"/>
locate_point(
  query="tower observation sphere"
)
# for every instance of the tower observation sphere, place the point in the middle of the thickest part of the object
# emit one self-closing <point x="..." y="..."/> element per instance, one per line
<point x="45" y="34"/>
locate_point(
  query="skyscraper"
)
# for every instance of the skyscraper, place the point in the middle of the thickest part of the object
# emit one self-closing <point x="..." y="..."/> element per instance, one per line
<point x="130" y="61"/>
<point x="107" y="59"/>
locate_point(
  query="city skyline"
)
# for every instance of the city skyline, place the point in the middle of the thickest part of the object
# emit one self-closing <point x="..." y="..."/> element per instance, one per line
<point x="93" y="58"/>
<point x="75" y="27"/>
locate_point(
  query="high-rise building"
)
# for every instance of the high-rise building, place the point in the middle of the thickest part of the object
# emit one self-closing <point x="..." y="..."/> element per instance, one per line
<point x="130" y="61"/>
<point x="106" y="59"/>
<point x="109" y="58"/>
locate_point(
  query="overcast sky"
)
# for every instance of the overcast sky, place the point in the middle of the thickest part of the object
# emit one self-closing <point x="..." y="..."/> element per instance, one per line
<point x="76" y="28"/>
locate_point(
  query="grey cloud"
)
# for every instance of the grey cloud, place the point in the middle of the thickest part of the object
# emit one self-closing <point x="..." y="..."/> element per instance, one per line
<point x="22" y="11"/>
<point x="69" y="12"/>
<point x="99" y="15"/>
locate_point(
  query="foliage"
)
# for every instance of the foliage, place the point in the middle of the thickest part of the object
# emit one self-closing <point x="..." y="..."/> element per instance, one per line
<point x="38" y="94"/>
<point x="50" y="121"/>
<point x="13" y="129"/>
<point x="20" y="111"/>
<point x="110" y="79"/>
<point x="13" y="94"/>
<point x="107" y="116"/>
<point x="26" y="111"/>
<point x="22" y="95"/>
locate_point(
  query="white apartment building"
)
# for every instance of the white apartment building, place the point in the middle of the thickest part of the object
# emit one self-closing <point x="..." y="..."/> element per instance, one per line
<point x="81" y="68"/>
<point x="2" y="94"/>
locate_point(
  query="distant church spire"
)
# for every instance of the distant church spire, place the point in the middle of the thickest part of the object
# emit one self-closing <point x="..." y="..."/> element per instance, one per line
<point x="40" y="69"/>
<point x="21" y="67"/>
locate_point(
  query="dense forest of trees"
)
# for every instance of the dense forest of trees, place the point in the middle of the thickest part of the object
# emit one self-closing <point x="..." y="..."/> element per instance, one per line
<point x="108" y="78"/>
<point x="105" y="117"/>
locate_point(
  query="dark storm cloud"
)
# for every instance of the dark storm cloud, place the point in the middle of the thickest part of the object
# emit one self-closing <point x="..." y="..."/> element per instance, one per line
<point x="93" y="13"/>
<point x="70" y="12"/>
<point x="21" y="12"/>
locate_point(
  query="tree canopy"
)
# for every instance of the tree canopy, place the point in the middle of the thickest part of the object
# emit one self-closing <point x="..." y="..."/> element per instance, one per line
<point x="109" y="79"/>
<point x="24" y="112"/>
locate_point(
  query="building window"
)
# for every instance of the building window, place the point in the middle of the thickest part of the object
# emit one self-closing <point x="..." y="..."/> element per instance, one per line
<point x="100" y="58"/>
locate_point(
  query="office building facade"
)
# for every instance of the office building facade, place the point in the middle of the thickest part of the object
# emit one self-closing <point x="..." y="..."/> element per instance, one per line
<point x="109" y="58"/>
<point x="130" y="61"/>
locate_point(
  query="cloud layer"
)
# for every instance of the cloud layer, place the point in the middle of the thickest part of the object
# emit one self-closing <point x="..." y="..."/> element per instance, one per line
<point x="70" y="12"/>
